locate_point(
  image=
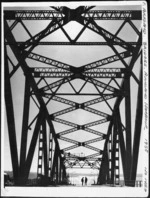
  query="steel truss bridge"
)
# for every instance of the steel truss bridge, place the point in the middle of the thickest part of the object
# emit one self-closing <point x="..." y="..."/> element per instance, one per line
<point x="40" y="90"/>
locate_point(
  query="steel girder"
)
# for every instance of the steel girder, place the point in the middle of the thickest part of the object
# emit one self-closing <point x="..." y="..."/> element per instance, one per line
<point x="54" y="167"/>
<point x="82" y="163"/>
<point x="11" y="120"/>
<point x="137" y="134"/>
<point x="51" y="14"/>
<point x="73" y="42"/>
<point x="60" y="73"/>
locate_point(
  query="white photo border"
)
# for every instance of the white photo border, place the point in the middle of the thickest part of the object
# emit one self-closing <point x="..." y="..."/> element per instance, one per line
<point x="87" y="192"/>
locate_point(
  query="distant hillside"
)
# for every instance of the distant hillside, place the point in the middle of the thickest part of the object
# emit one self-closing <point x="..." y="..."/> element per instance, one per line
<point x="33" y="175"/>
<point x="139" y="176"/>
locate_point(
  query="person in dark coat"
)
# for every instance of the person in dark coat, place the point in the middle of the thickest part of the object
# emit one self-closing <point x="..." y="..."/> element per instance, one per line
<point x="86" y="179"/>
<point x="82" y="180"/>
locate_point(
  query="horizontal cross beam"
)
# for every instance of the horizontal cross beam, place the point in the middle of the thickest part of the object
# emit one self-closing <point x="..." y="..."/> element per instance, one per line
<point x="60" y="73"/>
<point x="85" y="163"/>
<point x="77" y="93"/>
<point x="73" y="43"/>
<point x="65" y="80"/>
<point x="51" y="14"/>
<point x="113" y="14"/>
<point x="32" y="15"/>
<point x="78" y="158"/>
<point x="106" y="73"/>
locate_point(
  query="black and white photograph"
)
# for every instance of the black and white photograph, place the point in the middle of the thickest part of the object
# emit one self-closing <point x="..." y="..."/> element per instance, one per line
<point x="75" y="99"/>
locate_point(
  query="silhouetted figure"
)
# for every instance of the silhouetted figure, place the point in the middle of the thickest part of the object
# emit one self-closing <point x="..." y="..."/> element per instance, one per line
<point x="86" y="180"/>
<point x="82" y="180"/>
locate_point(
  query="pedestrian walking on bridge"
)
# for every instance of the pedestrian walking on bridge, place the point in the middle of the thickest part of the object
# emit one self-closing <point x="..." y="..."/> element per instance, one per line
<point x="86" y="179"/>
<point x="82" y="180"/>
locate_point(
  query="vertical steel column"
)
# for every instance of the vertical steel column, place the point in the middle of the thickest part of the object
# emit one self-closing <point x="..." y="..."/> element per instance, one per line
<point x="45" y="149"/>
<point x="63" y="171"/>
<point x="54" y="172"/>
<point x="137" y="134"/>
<point x="56" y="167"/>
<point x="117" y="173"/>
<point x="53" y="168"/>
<point x="33" y="145"/>
<point x="43" y="155"/>
<point x="121" y="141"/>
<point x="64" y="175"/>
<point x="50" y="154"/>
<point x="11" y="122"/>
<point x="110" y="155"/>
<point x="60" y="170"/>
<point x="25" y="119"/>
<point x="128" y="129"/>
<point x="40" y="155"/>
<point x="104" y="169"/>
<point x="104" y="174"/>
<point x="113" y="153"/>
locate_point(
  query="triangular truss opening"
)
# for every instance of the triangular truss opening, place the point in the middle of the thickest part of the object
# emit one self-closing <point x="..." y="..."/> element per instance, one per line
<point x="80" y="136"/>
<point x="94" y="37"/>
<point x="128" y="34"/>
<point x="80" y="117"/>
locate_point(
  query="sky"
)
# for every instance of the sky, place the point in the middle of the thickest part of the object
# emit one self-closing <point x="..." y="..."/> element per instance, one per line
<point x="76" y="56"/>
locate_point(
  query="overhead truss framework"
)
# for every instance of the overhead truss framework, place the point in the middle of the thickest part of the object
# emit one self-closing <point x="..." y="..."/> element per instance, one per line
<point x="109" y="83"/>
